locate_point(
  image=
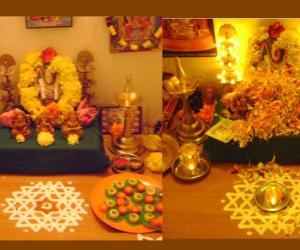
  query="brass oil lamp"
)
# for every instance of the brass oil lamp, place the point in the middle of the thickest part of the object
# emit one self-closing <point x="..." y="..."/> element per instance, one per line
<point x="272" y="196"/>
<point x="189" y="130"/>
<point x="127" y="143"/>
<point x="191" y="164"/>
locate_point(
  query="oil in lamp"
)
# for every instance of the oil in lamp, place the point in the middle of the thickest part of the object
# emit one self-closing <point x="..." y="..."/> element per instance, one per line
<point x="190" y="164"/>
<point x="127" y="143"/>
<point x="189" y="130"/>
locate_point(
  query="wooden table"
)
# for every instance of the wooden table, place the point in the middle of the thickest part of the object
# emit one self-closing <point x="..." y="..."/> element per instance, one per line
<point x="194" y="210"/>
<point x="90" y="228"/>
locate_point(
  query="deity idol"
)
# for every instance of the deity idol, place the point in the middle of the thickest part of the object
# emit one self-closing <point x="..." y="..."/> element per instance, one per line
<point x="47" y="85"/>
<point x="20" y="127"/>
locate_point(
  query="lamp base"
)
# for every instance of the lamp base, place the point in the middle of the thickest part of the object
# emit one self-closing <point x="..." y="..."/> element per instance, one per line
<point x="183" y="173"/>
<point x="126" y="145"/>
<point x="194" y="132"/>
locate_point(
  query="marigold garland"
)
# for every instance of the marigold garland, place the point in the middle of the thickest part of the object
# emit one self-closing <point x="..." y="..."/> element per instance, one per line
<point x="67" y="78"/>
<point x="271" y="92"/>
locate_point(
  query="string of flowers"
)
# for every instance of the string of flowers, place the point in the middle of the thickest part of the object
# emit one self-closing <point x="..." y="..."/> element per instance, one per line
<point x="65" y="70"/>
<point x="266" y="103"/>
<point x="279" y="39"/>
<point x="228" y="59"/>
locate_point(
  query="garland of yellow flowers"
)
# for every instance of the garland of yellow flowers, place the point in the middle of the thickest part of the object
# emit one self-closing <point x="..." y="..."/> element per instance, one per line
<point x="67" y="78"/>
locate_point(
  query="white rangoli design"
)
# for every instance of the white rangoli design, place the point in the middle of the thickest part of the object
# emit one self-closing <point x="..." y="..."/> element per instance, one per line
<point x="143" y="237"/>
<point x="49" y="206"/>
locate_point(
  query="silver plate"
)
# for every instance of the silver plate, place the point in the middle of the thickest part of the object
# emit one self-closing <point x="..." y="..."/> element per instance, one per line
<point x="128" y="157"/>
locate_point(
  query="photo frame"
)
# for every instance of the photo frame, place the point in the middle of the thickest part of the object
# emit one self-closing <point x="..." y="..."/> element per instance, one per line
<point x="112" y="114"/>
<point x="134" y="33"/>
<point x="188" y="37"/>
<point x="48" y="21"/>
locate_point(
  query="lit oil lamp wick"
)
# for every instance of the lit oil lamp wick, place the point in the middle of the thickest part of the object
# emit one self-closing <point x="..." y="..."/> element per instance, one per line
<point x="273" y="195"/>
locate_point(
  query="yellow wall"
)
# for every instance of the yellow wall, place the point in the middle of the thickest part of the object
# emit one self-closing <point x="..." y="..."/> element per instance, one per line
<point x="208" y="67"/>
<point x="90" y="33"/>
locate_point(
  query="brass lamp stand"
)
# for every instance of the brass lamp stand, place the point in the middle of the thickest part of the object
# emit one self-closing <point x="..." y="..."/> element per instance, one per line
<point x="127" y="143"/>
<point x="189" y="130"/>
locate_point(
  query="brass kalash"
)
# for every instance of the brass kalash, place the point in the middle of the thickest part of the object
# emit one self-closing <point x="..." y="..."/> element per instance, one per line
<point x="127" y="143"/>
<point x="189" y="130"/>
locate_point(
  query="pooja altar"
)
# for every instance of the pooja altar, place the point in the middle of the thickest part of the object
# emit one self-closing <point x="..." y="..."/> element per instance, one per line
<point x="79" y="151"/>
<point x="240" y="151"/>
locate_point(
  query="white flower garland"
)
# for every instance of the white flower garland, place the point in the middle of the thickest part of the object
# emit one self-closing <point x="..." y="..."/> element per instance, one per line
<point x="288" y="41"/>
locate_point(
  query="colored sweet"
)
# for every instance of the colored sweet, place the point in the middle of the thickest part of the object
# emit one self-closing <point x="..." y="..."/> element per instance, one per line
<point x="151" y="191"/>
<point x="110" y="203"/>
<point x="111" y="192"/>
<point x="138" y="197"/>
<point x="149" y="199"/>
<point x="113" y="213"/>
<point x="132" y="182"/>
<point x="149" y="208"/>
<point x="120" y="184"/>
<point x="148" y="217"/>
<point x="133" y="218"/>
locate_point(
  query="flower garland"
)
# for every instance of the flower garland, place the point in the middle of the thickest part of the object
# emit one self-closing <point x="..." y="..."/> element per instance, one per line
<point x="280" y="40"/>
<point x="266" y="103"/>
<point x="65" y="70"/>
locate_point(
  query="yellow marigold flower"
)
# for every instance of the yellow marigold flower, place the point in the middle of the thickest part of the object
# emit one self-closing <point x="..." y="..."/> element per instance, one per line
<point x="67" y="77"/>
<point x="73" y="139"/>
<point x="20" y="138"/>
<point x="45" y="139"/>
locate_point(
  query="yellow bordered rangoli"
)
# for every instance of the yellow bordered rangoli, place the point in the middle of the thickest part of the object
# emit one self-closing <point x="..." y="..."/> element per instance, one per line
<point x="241" y="204"/>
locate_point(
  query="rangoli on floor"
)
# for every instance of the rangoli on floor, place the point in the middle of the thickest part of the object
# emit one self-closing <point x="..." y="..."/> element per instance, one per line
<point x="142" y="237"/>
<point x="51" y="206"/>
<point x="242" y="205"/>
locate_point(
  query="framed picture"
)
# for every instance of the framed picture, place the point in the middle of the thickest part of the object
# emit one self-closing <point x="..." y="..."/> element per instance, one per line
<point x="188" y="37"/>
<point x="48" y="21"/>
<point x="114" y="115"/>
<point x="134" y="33"/>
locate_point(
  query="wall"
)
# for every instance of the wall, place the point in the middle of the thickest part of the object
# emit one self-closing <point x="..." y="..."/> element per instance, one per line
<point x="208" y="67"/>
<point x="111" y="68"/>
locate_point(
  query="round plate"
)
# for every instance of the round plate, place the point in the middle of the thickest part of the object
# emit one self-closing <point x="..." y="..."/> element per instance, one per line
<point x="260" y="197"/>
<point x="204" y="165"/>
<point x="98" y="197"/>
<point x="170" y="150"/>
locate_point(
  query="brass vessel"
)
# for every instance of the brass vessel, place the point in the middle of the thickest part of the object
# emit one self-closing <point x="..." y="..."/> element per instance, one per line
<point x="189" y="130"/>
<point x="272" y="197"/>
<point x="191" y="164"/>
<point x="127" y="143"/>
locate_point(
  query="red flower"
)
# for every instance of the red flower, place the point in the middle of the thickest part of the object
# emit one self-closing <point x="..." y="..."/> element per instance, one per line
<point x="275" y="29"/>
<point x="48" y="54"/>
<point x="35" y="18"/>
<point x="53" y="109"/>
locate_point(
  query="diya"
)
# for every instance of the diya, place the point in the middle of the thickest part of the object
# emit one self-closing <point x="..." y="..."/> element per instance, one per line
<point x="189" y="130"/>
<point x="190" y="164"/>
<point x="127" y="143"/>
<point x="272" y="196"/>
